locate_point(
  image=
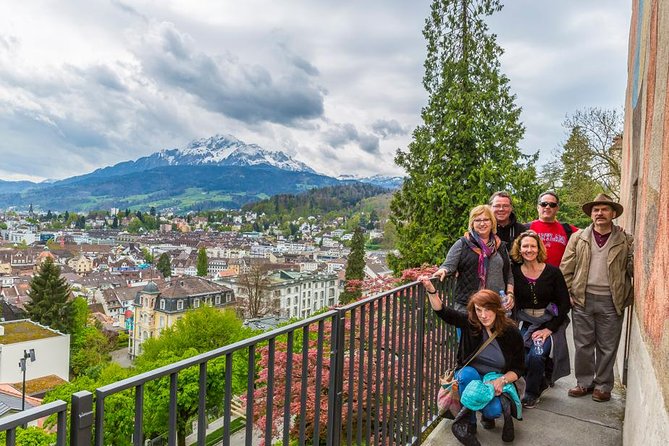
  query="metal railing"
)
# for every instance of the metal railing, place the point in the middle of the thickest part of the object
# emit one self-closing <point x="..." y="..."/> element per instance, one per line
<point x="365" y="373"/>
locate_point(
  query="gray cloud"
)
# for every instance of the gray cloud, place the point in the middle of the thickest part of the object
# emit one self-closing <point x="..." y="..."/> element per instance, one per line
<point x="249" y="93"/>
<point x="342" y="134"/>
<point x="385" y="128"/>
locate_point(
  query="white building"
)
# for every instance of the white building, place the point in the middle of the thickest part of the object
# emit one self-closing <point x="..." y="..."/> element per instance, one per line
<point x="52" y="351"/>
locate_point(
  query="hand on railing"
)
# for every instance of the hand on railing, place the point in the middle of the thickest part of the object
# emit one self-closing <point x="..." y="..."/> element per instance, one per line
<point x="432" y="295"/>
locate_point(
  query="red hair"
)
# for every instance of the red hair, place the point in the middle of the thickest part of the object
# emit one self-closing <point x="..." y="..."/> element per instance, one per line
<point x="489" y="300"/>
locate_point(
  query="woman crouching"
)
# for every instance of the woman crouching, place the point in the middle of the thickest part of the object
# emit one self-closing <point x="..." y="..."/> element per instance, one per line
<point x="486" y="383"/>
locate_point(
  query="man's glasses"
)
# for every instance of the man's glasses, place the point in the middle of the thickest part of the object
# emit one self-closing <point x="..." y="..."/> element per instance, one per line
<point x="502" y="206"/>
<point x="550" y="204"/>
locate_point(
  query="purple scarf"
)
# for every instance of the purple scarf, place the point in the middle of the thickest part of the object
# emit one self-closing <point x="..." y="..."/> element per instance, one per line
<point x="484" y="252"/>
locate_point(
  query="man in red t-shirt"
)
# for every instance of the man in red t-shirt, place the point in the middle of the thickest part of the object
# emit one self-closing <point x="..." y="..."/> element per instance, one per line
<point x="554" y="234"/>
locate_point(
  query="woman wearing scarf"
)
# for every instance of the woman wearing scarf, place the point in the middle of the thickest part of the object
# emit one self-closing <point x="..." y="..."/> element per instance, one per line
<point x="480" y="260"/>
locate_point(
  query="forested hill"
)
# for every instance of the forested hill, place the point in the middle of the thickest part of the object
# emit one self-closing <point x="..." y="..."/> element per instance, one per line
<point x="315" y="202"/>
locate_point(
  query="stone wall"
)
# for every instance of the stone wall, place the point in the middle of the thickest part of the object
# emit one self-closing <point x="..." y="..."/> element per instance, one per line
<point x="645" y="196"/>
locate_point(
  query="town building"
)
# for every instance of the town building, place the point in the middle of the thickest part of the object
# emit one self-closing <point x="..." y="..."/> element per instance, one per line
<point x="160" y="304"/>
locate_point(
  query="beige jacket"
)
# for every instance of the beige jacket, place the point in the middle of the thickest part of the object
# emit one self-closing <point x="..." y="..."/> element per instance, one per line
<point x="575" y="266"/>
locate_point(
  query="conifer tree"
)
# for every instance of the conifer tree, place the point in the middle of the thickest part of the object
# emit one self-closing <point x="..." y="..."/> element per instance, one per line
<point x="467" y="146"/>
<point x="202" y="262"/>
<point x="49" y="294"/>
<point x="355" y="268"/>
<point x="164" y="265"/>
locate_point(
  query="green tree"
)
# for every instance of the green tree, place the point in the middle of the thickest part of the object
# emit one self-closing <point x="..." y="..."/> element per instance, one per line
<point x="148" y="257"/>
<point x="355" y="268"/>
<point x="164" y="265"/>
<point x="49" y="294"/>
<point x="467" y="145"/>
<point x="199" y="331"/>
<point x="31" y="436"/>
<point x="202" y="262"/>
<point x="601" y="149"/>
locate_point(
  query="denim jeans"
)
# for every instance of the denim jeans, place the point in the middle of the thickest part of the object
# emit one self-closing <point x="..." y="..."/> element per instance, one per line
<point x="493" y="409"/>
<point x="535" y="377"/>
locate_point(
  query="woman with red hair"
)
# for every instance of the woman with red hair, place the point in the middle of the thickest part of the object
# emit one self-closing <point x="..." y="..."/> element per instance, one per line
<point x="498" y="365"/>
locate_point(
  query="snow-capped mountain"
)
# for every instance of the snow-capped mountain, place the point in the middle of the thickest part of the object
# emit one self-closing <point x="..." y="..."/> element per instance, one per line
<point x="384" y="181"/>
<point x="226" y="150"/>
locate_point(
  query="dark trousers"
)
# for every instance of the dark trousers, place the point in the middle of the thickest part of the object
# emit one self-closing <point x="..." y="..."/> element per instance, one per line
<point x="535" y="376"/>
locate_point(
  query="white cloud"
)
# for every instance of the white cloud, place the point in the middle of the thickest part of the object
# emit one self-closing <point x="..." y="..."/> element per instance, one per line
<point x="335" y="84"/>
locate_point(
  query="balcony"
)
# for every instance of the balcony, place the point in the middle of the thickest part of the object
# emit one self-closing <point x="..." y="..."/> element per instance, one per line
<point x="365" y="373"/>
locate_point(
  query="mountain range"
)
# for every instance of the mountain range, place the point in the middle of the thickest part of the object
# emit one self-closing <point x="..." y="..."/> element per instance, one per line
<point x="215" y="172"/>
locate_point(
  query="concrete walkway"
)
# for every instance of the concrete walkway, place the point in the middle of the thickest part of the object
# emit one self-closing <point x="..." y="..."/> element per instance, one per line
<point x="558" y="420"/>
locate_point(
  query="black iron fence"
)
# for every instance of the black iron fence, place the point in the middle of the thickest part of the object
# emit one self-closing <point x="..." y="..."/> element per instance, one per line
<point x="365" y="373"/>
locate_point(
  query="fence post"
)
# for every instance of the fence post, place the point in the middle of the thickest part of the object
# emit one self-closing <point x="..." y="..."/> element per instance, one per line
<point x="335" y="395"/>
<point x="419" y="291"/>
<point x="81" y="419"/>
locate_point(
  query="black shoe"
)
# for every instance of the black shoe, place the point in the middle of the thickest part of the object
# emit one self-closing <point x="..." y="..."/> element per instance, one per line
<point x="508" y="433"/>
<point x="488" y="423"/>
<point x="462" y="430"/>
<point x="530" y="402"/>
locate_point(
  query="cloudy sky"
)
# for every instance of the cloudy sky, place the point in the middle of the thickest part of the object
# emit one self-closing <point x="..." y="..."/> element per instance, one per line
<point x="89" y="83"/>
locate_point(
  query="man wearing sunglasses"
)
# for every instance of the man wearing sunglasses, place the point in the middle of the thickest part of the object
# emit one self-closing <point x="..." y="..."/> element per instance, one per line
<point x="554" y="234"/>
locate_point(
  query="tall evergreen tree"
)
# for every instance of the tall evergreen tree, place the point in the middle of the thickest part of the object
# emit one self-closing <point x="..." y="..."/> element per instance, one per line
<point x="49" y="294"/>
<point x="467" y="146"/>
<point x="164" y="265"/>
<point x="355" y="268"/>
<point x="202" y="262"/>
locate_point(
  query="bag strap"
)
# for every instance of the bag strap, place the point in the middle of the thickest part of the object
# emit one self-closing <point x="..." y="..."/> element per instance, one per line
<point x="481" y="348"/>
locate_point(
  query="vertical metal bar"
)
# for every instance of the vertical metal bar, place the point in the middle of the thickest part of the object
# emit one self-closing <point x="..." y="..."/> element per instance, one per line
<point x="351" y="378"/>
<point x="270" y="390"/>
<point x="250" y="386"/>
<point x="361" y="371"/>
<point x="81" y="418"/>
<point x="319" y="374"/>
<point x="386" y="370"/>
<point x="289" y="383"/>
<point x="227" y="400"/>
<point x="420" y="355"/>
<point x="401" y="372"/>
<point x="303" y="388"/>
<point x="99" y="418"/>
<point x="393" y="367"/>
<point x="138" y="435"/>
<point x="412" y="363"/>
<point x="370" y="374"/>
<point x="202" y="406"/>
<point x="11" y="437"/>
<point x="335" y="392"/>
<point x="172" y="425"/>
<point x="61" y="434"/>
<point x="377" y="381"/>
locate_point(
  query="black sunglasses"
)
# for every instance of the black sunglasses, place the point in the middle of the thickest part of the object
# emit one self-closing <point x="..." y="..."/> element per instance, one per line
<point x="552" y="205"/>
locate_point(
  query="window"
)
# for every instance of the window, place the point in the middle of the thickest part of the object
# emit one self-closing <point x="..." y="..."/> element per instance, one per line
<point x="196" y="303"/>
<point x="218" y="299"/>
<point x="180" y="305"/>
<point x="162" y="304"/>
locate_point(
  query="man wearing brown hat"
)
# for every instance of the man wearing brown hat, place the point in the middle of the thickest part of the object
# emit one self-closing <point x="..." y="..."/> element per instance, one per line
<point x="598" y="268"/>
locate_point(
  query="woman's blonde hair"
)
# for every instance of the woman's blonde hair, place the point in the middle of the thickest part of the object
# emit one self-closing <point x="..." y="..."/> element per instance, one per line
<point x="485" y="210"/>
<point x="542" y="255"/>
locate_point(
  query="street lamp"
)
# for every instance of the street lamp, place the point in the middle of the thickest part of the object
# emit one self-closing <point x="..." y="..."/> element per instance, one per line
<point x="22" y="364"/>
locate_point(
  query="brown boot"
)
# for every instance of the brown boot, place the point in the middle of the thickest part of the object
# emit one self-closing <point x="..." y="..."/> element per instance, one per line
<point x="579" y="391"/>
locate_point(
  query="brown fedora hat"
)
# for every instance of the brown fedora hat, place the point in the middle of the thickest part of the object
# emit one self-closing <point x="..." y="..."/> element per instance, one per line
<point x="602" y="199"/>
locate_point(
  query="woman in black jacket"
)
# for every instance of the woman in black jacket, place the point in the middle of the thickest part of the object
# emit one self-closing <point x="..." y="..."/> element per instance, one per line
<point x="504" y="356"/>
<point x="480" y="260"/>
<point x="542" y="304"/>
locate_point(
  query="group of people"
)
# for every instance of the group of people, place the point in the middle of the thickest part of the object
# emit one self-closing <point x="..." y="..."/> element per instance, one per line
<point x="515" y="286"/>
